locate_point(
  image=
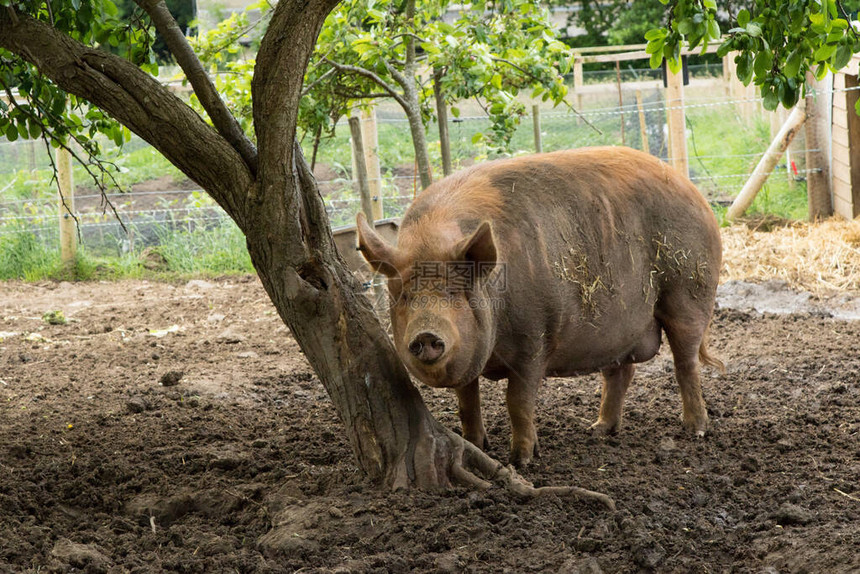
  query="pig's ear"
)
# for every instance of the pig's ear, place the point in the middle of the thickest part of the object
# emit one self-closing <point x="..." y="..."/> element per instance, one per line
<point x="381" y="256"/>
<point x="480" y="248"/>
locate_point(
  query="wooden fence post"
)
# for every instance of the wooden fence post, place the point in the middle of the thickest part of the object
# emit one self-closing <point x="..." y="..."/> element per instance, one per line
<point x="819" y="188"/>
<point x="442" y="117"/>
<point x="68" y="237"/>
<point x="361" y="169"/>
<point x="643" y="124"/>
<point x="677" y="121"/>
<point x="620" y="99"/>
<point x="536" y="127"/>
<point x="578" y="80"/>
<point x="370" y="143"/>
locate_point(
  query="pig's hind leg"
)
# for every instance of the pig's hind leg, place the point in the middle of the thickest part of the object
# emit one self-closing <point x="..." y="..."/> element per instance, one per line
<point x="616" y="381"/>
<point x="685" y="325"/>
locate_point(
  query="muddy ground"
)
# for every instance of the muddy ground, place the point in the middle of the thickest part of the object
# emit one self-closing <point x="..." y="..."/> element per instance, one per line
<point x="110" y="464"/>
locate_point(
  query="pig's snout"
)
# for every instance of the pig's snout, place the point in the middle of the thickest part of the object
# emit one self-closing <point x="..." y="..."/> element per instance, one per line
<point x="427" y="347"/>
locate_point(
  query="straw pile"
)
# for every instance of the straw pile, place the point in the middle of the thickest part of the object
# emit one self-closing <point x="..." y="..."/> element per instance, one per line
<point x="818" y="257"/>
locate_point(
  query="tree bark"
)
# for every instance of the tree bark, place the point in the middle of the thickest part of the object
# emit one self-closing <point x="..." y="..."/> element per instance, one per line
<point x="442" y="118"/>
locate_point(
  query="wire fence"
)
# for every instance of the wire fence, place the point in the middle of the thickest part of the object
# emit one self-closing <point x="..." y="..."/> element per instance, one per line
<point x="632" y="117"/>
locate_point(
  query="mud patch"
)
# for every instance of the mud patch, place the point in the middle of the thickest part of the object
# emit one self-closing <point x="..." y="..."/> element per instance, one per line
<point x="241" y="464"/>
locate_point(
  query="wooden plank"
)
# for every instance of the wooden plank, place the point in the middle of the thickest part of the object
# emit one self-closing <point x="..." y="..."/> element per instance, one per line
<point x="840" y="121"/>
<point x="839" y="101"/>
<point x="841" y="188"/>
<point x="842" y="208"/>
<point x="841" y="154"/>
<point x="842" y="171"/>
<point x="641" y="55"/>
<point x="609" y="49"/>
<point x="841" y="137"/>
<point x="839" y="81"/>
<point x="853" y="143"/>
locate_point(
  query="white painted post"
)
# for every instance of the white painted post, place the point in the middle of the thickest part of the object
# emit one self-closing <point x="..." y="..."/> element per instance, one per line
<point x="768" y="161"/>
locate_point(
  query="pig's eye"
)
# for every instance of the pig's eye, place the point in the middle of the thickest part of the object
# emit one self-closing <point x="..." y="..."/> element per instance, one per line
<point x="402" y="297"/>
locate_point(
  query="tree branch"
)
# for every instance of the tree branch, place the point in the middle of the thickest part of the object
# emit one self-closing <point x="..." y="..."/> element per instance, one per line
<point x="400" y="78"/>
<point x="518" y="68"/>
<point x="48" y="137"/>
<point x="206" y="92"/>
<point x="136" y="100"/>
<point x="372" y="76"/>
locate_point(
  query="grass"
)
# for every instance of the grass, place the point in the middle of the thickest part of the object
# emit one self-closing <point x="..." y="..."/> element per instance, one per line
<point x="723" y="150"/>
<point x="211" y="251"/>
<point x="135" y="162"/>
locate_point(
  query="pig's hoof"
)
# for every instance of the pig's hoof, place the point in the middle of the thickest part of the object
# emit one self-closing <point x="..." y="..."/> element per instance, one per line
<point x="522" y="458"/>
<point x="601" y="429"/>
<point x="698" y="428"/>
<point x="481" y="442"/>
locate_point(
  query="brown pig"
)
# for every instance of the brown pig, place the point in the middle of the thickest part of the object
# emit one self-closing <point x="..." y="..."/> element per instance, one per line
<point x="554" y="264"/>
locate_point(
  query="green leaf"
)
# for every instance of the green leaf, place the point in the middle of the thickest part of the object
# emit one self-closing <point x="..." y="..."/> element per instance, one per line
<point x="655" y="33"/>
<point x="654" y="46"/>
<point x="455" y="111"/>
<point x="792" y="63"/>
<point x="763" y="63"/>
<point x="11" y="132"/>
<point x="824" y="52"/>
<point x="788" y="95"/>
<point x="754" y="29"/>
<point x="744" y="67"/>
<point x="34" y="129"/>
<point x="656" y="60"/>
<point x="842" y="57"/>
<point x="713" y="29"/>
<point x="770" y="100"/>
<point x="743" y="18"/>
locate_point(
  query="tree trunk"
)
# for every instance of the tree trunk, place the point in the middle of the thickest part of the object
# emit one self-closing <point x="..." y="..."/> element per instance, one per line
<point x="395" y="439"/>
<point x="408" y="81"/>
<point x="419" y="138"/>
<point x="442" y="118"/>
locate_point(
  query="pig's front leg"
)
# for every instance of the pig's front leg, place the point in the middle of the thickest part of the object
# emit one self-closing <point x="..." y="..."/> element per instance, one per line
<point x="521" y="399"/>
<point x="469" y="398"/>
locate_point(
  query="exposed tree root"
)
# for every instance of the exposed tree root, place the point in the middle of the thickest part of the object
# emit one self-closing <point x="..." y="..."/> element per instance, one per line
<point x="469" y="460"/>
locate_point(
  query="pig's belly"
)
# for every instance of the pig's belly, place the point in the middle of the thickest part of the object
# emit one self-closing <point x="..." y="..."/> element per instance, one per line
<point x="589" y="352"/>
